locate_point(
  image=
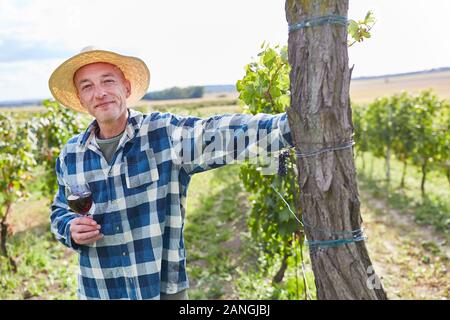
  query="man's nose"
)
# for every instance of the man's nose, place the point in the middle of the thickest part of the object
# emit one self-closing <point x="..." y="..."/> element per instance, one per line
<point x="100" y="93"/>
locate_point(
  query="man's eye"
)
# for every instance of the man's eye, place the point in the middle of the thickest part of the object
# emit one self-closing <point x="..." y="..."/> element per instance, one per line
<point x="86" y="87"/>
<point x="109" y="81"/>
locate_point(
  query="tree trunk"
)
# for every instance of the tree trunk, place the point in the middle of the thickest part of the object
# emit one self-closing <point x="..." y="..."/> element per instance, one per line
<point x="402" y="182"/>
<point x="388" y="132"/>
<point x="388" y="166"/>
<point x="320" y="117"/>
<point x="424" y="177"/>
<point x="3" y="237"/>
<point x="280" y="274"/>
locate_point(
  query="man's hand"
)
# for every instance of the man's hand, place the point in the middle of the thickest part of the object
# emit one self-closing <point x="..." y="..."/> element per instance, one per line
<point x="85" y="230"/>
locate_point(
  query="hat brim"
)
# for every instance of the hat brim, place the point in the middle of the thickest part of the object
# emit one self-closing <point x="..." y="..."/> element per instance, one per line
<point x="134" y="69"/>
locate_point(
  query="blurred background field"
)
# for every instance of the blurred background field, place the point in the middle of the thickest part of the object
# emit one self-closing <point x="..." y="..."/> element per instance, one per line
<point x="364" y="90"/>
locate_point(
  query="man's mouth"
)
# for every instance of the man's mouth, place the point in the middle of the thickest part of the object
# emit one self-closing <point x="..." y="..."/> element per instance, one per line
<point x="103" y="104"/>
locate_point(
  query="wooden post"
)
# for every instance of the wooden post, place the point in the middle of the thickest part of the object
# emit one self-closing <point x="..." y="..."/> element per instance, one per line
<point x="320" y="117"/>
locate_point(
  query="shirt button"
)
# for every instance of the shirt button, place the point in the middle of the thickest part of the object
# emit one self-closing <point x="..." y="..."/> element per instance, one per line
<point x="117" y="228"/>
<point x="124" y="253"/>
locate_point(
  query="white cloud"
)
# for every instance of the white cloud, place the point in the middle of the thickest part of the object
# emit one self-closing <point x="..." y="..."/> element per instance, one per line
<point x="25" y="79"/>
<point x="183" y="42"/>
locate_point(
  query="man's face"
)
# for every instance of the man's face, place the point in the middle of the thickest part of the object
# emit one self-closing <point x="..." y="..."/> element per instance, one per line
<point x="103" y="90"/>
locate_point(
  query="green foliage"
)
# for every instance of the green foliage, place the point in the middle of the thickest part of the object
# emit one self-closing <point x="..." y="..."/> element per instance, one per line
<point x="431" y="125"/>
<point x="17" y="143"/>
<point x="16" y="161"/>
<point x="378" y="123"/>
<point x="360" y="129"/>
<point x="360" y="30"/>
<point x="265" y="86"/>
<point x="54" y="128"/>
<point x="265" y="89"/>
<point x="414" y="128"/>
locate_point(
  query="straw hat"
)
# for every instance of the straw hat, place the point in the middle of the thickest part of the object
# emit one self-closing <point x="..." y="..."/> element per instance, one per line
<point x="61" y="81"/>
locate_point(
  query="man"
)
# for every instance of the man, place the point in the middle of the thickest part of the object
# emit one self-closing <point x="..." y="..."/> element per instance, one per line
<point x="138" y="168"/>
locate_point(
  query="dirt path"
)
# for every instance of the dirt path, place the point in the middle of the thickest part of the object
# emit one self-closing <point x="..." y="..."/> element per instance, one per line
<point x="411" y="260"/>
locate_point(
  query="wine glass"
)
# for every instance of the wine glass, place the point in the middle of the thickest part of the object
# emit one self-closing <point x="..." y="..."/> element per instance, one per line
<point x="79" y="198"/>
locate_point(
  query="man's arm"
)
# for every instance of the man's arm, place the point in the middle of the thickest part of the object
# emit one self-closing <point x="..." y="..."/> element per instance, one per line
<point x="68" y="227"/>
<point x="202" y="144"/>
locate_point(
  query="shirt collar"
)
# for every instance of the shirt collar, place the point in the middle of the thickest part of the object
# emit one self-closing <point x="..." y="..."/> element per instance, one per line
<point x="134" y="123"/>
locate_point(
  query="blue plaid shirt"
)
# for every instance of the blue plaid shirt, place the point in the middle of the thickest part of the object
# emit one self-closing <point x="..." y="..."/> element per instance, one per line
<point x="140" y="198"/>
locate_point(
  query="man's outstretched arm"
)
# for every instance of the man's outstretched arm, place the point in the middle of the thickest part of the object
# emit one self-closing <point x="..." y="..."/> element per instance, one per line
<point x="202" y="144"/>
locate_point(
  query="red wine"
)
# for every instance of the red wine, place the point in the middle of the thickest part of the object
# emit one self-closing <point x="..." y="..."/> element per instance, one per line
<point x="80" y="202"/>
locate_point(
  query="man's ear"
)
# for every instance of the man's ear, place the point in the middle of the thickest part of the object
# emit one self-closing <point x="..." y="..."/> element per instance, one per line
<point x="128" y="87"/>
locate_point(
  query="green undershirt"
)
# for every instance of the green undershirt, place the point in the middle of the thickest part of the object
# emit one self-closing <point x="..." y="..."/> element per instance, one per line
<point x="109" y="146"/>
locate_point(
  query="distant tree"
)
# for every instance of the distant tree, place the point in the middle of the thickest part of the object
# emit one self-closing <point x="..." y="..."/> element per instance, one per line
<point x="176" y="93"/>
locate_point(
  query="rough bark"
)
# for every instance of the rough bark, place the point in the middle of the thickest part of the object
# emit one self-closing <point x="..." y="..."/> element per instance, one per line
<point x="3" y="237"/>
<point x="280" y="274"/>
<point x="388" y="166"/>
<point x="402" y="182"/>
<point x="424" y="177"/>
<point x="319" y="117"/>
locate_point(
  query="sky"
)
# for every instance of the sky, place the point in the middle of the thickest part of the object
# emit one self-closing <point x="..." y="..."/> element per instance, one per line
<point x="200" y="42"/>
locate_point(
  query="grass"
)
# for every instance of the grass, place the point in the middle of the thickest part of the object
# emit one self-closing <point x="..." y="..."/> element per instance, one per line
<point x="45" y="270"/>
<point x="255" y="279"/>
<point x="411" y="261"/>
<point x="212" y="232"/>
